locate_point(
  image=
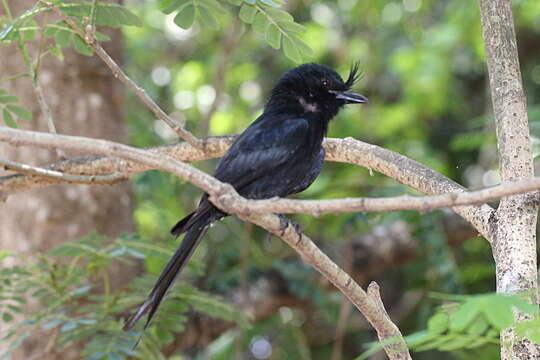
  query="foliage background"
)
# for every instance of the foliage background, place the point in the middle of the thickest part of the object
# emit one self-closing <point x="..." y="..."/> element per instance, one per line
<point x="425" y="76"/>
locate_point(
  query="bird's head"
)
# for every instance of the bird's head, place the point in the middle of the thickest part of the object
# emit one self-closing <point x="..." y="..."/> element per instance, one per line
<point x="316" y="89"/>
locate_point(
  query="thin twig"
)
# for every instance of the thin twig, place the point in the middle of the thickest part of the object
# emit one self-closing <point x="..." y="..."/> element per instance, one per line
<point x="90" y="39"/>
<point x="93" y="12"/>
<point x="54" y="174"/>
<point x="33" y="72"/>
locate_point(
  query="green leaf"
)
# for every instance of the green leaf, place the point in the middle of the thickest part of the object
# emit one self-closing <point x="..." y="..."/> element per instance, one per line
<point x="168" y="6"/>
<point x="260" y="23"/>
<point x="292" y="27"/>
<point x="102" y="37"/>
<point x="438" y="324"/>
<point x="302" y="47"/>
<point x="212" y="5"/>
<point x="8" y="119"/>
<point x="279" y="15"/>
<point x="8" y="99"/>
<point x="127" y="17"/>
<point x="208" y="18"/>
<point x="7" y="317"/>
<point x="80" y="46"/>
<point x="185" y="16"/>
<point x="530" y="330"/>
<point x="20" y="112"/>
<point x="457" y="342"/>
<point x="235" y="2"/>
<point x="436" y="343"/>
<point x="115" y="15"/>
<point x="147" y="248"/>
<point x="14" y="308"/>
<point x="63" y="37"/>
<point x="29" y="34"/>
<point x="273" y="36"/>
<point x="290" y="50"/>
<point x="465" y="314"/>
<point x="502" y="318"/>
<point x="247" y="13"/>
<point x="50" y="30"/>
<point x="478" y="327"/>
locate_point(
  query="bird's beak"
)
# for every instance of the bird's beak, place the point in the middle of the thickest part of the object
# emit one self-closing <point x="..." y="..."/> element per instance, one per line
<point x="350" y="97"/>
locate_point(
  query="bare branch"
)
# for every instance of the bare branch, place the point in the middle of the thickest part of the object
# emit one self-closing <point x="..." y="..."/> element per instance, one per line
<point x="373" y="310"/>
<point x="397" y="166"/>
<point x="272" y="223"/>
<point x="54" y="174"/>
<point x="90" y="39"/>
<point x="405" y="202"/>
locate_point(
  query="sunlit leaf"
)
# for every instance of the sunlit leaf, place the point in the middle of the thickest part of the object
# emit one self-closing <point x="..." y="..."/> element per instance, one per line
<point x="247" y="13"/>
<point x="290" y="50"/>
<point x="273" y="36"/>
<point x="208" y="18"/>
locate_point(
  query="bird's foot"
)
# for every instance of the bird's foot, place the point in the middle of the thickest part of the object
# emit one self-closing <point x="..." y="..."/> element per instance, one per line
<point x="284" y="222"/>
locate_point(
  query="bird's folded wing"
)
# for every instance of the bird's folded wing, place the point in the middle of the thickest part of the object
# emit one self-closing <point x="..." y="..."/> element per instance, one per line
<point x="261" y="149"/>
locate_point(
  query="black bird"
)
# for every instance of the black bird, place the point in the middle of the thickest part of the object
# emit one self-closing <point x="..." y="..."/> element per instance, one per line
<point x="279" y="154"/>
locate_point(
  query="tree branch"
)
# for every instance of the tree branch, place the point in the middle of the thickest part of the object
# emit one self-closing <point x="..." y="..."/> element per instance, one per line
<point x="90" y="39"/>
<point x="393" y="203"/>
<point x="54" y="174"/>
<point x="372" y="310"/>
<point x="397" y="166"/>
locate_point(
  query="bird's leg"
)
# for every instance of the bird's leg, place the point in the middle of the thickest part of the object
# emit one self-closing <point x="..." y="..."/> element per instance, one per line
<point x="284" y="222"/>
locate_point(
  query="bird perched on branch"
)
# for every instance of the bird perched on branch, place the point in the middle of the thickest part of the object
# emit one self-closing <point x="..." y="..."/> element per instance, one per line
<point x="279" y="154"/>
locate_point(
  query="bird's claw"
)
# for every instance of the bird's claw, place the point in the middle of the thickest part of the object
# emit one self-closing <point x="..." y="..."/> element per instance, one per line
<point x="284" y="222"/>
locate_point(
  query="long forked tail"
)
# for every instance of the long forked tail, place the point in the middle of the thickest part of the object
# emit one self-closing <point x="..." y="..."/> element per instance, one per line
<point x="167" y="277"/>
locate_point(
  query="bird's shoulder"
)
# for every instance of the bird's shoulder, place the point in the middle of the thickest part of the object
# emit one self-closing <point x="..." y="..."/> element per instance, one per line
<point x="261" y="148"/>
<point x="273" y="130"/>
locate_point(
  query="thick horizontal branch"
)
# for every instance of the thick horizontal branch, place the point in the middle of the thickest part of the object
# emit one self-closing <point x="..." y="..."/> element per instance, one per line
<point x="369" y="306"/>
<point x="397" y="166"/>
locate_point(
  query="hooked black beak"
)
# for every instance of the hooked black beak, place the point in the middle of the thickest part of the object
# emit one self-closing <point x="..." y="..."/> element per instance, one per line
<point x="350" y="97"/>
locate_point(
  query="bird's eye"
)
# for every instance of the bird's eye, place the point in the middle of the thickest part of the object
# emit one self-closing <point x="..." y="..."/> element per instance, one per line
<point x="325" y="83"/>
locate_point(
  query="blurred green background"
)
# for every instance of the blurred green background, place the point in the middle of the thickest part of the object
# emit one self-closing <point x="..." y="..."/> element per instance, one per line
<point x="424" y="73"/>
<point x="246" y="295"/>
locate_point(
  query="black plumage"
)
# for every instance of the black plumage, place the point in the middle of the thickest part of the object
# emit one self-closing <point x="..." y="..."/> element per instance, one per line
<point x="279" y="154"/>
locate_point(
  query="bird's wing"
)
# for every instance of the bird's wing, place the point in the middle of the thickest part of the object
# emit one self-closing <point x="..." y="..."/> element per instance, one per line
<point x="261" y="149"/>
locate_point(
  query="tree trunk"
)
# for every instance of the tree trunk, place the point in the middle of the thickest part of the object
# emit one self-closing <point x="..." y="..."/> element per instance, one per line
<point x="514" y="224"/>
<point x="84" y="100"/>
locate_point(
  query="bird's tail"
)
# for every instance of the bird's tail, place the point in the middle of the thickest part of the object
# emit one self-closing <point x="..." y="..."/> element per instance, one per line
<point x="167" y="277"/>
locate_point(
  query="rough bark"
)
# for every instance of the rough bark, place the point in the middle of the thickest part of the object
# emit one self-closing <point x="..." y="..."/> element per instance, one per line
<point x="514" y="236"/>
<point x="84" y="99"/>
